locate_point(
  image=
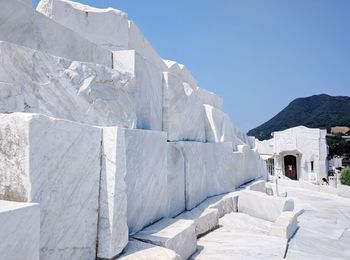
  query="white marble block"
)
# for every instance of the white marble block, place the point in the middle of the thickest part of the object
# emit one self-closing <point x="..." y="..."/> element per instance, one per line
<point x="105" y="27"/>
<point x="260" y="205"/>
<point x="285" y="225"/>
<point x="113" y="232"/>
<point x="138" y="42"/>
<point x="205" y="219"/>
<point x="147" y="93"/>
<point x="137" y="250"/>
<point x="176" y="179"/>
<point x="181" y="72"/>
<point x="188" y="77"/>
<point x="218" y="127"/>
<point x="209" y="98"/>
<point x="55" y="163"/>
<point x="146" y="177"/>
<point x="195" y="173"/>
<point x="20" y="230"/>
<point x="36" y="82"/>
<point x="22" y="25"/>
<point x="247" y="164"/>
<point x="219" y="168"/>
<point x="177" y="235"/>
<point x="183" y="113"/>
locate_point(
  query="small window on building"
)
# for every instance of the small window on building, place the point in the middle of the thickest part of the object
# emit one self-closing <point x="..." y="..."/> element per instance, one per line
<point x="312" y="166"/>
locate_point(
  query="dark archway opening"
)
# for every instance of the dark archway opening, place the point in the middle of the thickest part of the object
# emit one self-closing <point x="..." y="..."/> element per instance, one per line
<point x="290" y="167"/>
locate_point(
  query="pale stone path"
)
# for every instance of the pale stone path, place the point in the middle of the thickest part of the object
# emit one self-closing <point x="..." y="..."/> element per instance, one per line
<point x="324" y="231"/>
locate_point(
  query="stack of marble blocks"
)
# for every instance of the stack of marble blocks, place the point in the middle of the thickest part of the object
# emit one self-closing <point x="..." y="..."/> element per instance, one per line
<point x="103" y="134"/>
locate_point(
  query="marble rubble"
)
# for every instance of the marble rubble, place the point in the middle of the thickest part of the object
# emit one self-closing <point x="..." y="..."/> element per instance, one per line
<point x="109" y="138"/>
<point x="20" y="230"/>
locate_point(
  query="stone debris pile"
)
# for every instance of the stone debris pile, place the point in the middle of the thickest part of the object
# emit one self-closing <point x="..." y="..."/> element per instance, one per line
<point x="107" y="138"/>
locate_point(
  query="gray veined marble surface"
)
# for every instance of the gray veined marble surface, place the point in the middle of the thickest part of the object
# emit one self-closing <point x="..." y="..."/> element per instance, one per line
<point x="55" y="163"/>
<point x="35" y="82"/>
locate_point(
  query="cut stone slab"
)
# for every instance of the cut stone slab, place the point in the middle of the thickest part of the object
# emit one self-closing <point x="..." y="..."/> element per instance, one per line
<point x="173" y="68"/>
<point x="259" y="185"/>
<point x="207" y="170"/>
<point x="209" y="98"/>
<point x="137" y="250"/>
<point x="183" y="113"/>
<point x="251" y="142"/>
<point x="22" y="25"/>
<point x="219" y="128"/>
<point x="240" y="236"/>
<point x="105" y="27"/>
<point x="147" y="93"/>
<point x="20" y="230"/>
<point x="177" y="235"/>
<point x="139" y="43"/>
<point x="225" y="244"/>
<point x="243" y="223"/>
<point x="181" y="72"/>
<point x="204" y="220"/>
<point x="248" y="165"/>
<point x="55" y="163"/>
<point x="226" y="204"/>
<point x="146" y="177"/>
<point x="36" y="82"/>
<point x="286" y="225"/>
<point x="187" y="76"/>
<point x="195" y="173"/>
<point x="259" y="205"/>
<point x="175" y="179"/>
<point x="113" y="232"/>
<point x="219" y="168"/>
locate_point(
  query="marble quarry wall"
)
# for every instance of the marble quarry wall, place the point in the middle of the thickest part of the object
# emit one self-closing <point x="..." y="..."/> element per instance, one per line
<point x="102" y="133"/>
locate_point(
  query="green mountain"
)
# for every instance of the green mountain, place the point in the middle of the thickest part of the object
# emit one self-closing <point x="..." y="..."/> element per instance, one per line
<point x="319" y="111"/>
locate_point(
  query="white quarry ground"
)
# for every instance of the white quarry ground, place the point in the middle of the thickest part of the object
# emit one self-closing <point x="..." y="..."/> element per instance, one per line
<point x="323" y="232"/>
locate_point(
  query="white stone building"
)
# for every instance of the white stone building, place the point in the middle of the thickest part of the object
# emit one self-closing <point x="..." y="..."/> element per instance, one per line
<point x="299" y="153"/>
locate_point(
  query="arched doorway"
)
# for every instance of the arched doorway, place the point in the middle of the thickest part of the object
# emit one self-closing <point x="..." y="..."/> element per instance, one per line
<point x="290" y="167"/>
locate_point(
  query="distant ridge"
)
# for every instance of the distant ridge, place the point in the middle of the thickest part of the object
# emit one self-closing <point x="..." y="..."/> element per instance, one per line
<point x="318" y="111"/>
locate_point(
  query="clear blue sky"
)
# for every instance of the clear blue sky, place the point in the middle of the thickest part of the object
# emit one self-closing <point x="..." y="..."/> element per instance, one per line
<point x="258" y="55"/>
